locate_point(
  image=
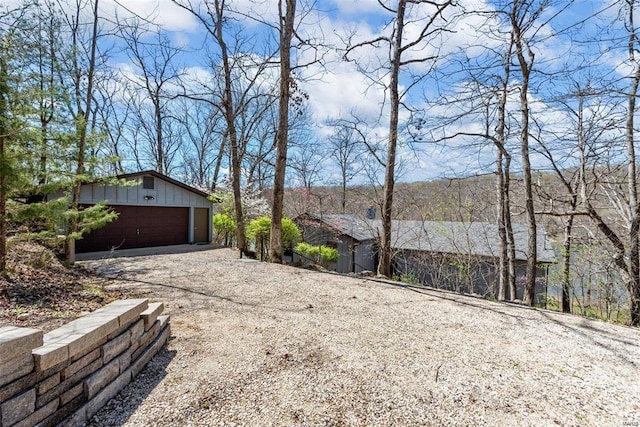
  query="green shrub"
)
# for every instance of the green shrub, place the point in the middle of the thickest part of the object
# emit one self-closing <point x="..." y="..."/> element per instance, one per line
<point x="307" y="250"/>
<point x="325" y="255"/>
<point x="224" y="226"/>
<point x="259" y="231"/>
<point x="290" y="233"/>
<point x="328" y="255"/>
<point x="409" y="278"/>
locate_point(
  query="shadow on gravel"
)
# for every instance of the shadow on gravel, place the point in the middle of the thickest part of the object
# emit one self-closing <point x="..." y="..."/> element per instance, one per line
<point x="158" y="250"/>
<point x="218" y="297"/>
<point x="590" y="333"/>
<point x="185" y="290"/>
<point x="116" y="271"/>
<point x="118" y="410"/>
<point x="585" y="329"/>
<point x="461" y="299"/>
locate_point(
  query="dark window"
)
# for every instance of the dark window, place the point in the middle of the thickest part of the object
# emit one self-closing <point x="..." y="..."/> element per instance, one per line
<point x="147" y="182"/>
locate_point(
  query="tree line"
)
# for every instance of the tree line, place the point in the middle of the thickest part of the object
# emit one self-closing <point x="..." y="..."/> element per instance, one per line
<point x="512" y="87"/>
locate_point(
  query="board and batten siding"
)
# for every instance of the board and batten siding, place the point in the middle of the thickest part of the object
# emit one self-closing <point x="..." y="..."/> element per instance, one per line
<point x="163" y="194"/>
<point x="167" y="194"/>
<point x="344" y="257"/>
<point x="354" y="256"/>
<point x="365" y="257"/>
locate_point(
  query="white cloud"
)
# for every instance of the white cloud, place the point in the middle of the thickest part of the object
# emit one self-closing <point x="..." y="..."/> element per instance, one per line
<point x="197" y="75"/>
<point x="342" y="89"/>
<point x="341" y="92"/>
<point x="336" y="88"/>
<point x="354" y="7"/>
<point x="161" y="12"/>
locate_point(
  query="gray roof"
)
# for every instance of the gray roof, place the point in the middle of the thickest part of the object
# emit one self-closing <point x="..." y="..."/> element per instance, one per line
<point x="359" y="228"/>
<point x="166" y="178"/>
<point x="473" y="238"/>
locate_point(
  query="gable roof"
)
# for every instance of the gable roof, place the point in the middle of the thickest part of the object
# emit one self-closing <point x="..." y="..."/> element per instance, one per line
<point x="473" y="238"/>
<point x="164" y="178"/>
<point x="350" y="225"/>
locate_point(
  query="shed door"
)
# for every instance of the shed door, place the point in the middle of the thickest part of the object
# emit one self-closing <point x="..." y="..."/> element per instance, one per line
<point x="201" y="225"/>
<point x="139" y="227"/>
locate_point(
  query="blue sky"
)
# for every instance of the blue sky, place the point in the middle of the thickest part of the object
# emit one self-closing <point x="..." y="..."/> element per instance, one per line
<point x="338" y="89"/>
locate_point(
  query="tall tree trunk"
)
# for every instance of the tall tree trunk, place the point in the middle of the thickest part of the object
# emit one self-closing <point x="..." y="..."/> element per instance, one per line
<point x="228" y="107"/>
<point x="634" y="210"/>
<point x="511" y="244"/>
<point x="4" y="105"/>
<point x="532" y="245"/>
<point x="384" y="263"/>
<point x="568" y="229"/>
<point x="502" y="181"/>
<point x="503" y="265"/>
<point x="42" y="170"/>
<point x="566" y="264"/>
<point x="81" y="134"/>
<point x="282" y="137"/>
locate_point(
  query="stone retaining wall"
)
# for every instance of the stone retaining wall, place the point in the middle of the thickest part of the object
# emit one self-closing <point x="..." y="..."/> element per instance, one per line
<point x="65" y="376"/>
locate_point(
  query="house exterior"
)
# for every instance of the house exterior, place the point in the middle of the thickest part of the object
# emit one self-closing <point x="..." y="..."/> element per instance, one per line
<point x="154" y="210"/>
<point x="458" y="256"/>
<point x="464" y="256"/>
<point x="355" y="240"/>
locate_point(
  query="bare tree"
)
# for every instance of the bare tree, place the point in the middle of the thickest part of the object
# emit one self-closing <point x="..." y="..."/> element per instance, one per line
<point x="156" y="70"/>
<point x="258" y="136"/>
<point x="429" y="24"/>
<point x="229" y="112"/>
<point x="305" y="166"/>
<point x="507" y="255"/>
<point x="345" y="149"/>
<point x="287" y="15"/>
<point x="521" y="20"/>
<point x="202" y="142"/>
<point x="495" y="68"/>
<point x="306" y="163"/>
<point x="234" y="94"/>
<point x="485" y="101"/>
<point x="633" y="282"/>
<point x="618" y="187"/>
<point x="115" y="119"/>
<point x="589" y="118"/>
<point x="81" y="69"/>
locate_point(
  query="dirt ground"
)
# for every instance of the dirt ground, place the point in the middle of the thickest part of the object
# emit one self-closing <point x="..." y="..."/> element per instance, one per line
<point x="39" y="291"/>
<point x="260" y="344"/>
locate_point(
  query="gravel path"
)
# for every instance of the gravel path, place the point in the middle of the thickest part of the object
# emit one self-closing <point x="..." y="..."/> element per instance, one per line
<point x="260" y="344"/>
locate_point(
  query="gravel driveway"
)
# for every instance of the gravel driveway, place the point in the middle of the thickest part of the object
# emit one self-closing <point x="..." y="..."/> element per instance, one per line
<point x="259" y="344"/>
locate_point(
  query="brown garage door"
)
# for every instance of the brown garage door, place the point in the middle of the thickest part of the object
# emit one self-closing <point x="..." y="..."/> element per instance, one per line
<point x="139" y="227"/>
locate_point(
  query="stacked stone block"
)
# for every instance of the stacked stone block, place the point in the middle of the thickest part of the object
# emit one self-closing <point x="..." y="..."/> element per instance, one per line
<point x="65" y="376"/>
